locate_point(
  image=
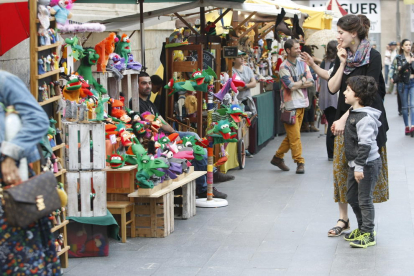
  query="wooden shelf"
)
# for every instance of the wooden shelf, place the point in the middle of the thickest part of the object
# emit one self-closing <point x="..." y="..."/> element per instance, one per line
<point x="51" y="100"/>
<point x="60" y="172"/>
<point x="57" y="227"/>
<point x="123" y="169"/>
<point x="42" y="48"/>
<point x="48" y="74"/>
<point x="58" y="147"/>
<point x="172" y="187"/>
<point x="52" y="18"/>
<point x="63" y="250"/>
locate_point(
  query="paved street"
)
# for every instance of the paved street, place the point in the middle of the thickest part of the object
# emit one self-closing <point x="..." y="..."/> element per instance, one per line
<point x="277" y="222"/>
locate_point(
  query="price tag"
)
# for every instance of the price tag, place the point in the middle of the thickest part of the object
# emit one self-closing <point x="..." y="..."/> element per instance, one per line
<point x="112" y="138"/>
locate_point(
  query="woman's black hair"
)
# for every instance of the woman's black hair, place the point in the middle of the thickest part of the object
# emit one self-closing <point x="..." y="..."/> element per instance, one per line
<point x="331" y="50"/>
<point x="359" y="24"/>
<point x="402" y="44"/>
<point x="365" y="88"/>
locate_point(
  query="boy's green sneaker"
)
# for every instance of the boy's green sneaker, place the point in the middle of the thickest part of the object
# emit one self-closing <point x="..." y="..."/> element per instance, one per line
<point x="364" y="240"/>
<point x="353" y="235"/>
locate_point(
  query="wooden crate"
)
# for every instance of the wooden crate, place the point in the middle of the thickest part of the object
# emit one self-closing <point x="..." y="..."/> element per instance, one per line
<point x="78" y="137"/>
<point x="154" y="217"/>
<point x="121" y="181"/>
<point x="128" y="85"/>
<point x="82" y="183"/>
<point x="185" y="201"/>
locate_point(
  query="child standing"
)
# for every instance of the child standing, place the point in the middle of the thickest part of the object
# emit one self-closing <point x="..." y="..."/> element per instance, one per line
<point x="364" y="161"/>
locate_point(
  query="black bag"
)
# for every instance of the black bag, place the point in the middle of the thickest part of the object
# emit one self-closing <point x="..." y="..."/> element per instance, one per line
<point x="31" y="200"/>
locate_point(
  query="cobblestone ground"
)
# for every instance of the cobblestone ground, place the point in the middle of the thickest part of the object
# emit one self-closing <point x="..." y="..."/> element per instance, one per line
<point x="277" y="222"/>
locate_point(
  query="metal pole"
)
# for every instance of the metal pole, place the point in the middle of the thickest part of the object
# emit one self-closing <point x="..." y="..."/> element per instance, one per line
<point x="398" y="15"/>
<point x="142" y="31"/>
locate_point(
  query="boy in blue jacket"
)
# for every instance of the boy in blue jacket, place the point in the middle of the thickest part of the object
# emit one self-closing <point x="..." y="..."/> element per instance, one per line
<point x="364" y="161"/>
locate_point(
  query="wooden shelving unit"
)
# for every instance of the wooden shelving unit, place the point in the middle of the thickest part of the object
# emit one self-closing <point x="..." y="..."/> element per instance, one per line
<point x="50" y="107"/>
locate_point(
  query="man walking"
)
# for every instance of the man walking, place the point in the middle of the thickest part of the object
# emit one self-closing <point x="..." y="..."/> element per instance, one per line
<point x="389" y="56"/>
<point x="296" y="78"/>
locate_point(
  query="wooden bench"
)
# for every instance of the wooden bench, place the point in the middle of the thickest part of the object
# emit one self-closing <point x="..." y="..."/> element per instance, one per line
<point x="155" y="213"/>
<point x="123" y="208"/>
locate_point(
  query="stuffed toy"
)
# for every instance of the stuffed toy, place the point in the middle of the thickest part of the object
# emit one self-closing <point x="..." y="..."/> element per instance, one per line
<point x="231" y="84"/>
<point x="134" y="65"/>
<point x="40" y="67"/>
<point x="234" y="111"/>
<point x="85" y="69"/>
<point x="199" y="80"/>
<point x="72" y="89"/>
<point x="119" y="62"/>
<point x="43" y="13"/>
<point x="60" y="9"/>
<point x="110" y="67"/>
<point x="77" y="49"/>
<point x="123" y="47"/>
<point x="221" y="132"/>
<point x="178" y="55"/>
<point x="190" y="103"/>
<point x="116" y="161"/>
<point x="210" y="28"/>
<point x="126" y="137"/>
<point x="110" y="129"/>
<point x="104" y="49"/>
<point x="99" y="109"/>
<point x="174" y="86"/>
<point x="83" y="115"/>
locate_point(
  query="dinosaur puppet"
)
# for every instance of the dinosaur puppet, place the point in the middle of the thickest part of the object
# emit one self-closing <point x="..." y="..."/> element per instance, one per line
<point x="85" y="69"/>
<point x="221" y="132"/>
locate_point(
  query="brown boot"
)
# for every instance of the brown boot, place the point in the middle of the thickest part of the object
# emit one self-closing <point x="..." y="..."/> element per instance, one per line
<point x="305" y="127"/>
<point x="279" y="162"/>
<point x="300" y="169"/>
<point x="313" y="128"/>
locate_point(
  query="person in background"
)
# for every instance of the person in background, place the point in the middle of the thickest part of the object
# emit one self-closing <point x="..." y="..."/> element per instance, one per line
<point x="296" y="78"/>
<point x="355" y="57"/>
<point x="327" y="102"/>
<point x="403" y="68"/>
<point x="157" y="85"/>
<point x="31" y="248"/>
<point x="389" y="56"/>
<point x="308" y="124"/>
<point x="245" y="74"/>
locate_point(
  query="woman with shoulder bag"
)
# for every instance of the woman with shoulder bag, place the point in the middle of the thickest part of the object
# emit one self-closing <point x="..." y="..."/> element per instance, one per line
<point x="23" y="250"/>
<point x="402" y="73"/>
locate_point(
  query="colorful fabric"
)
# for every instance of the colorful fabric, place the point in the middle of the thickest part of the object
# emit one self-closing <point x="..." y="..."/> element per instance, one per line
<point x="340" y="174"/>
<point x="292" y="140"/>
<point x="289" y="74"/>
<point x="360" y="58"/>
<point x="27" y="251"/>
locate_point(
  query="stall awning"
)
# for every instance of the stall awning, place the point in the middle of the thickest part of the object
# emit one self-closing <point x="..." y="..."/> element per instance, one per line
<point x="131" y="22"/>
<point x="318" y="18"/>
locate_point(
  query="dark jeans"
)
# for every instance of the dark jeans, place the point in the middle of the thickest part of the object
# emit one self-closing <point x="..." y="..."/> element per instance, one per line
<point x="309" y="116"/>
<point x="387" y="70"/>
<point x="407" y="101"/>
<point x="201" y="182"/>
<point x="360" y="196"/>
<point x="330" y="117"/>
<point x="400" y="90"/>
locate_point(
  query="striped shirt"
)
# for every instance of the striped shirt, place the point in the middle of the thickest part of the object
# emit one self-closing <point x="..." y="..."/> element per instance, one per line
<point x="289" y="74"/>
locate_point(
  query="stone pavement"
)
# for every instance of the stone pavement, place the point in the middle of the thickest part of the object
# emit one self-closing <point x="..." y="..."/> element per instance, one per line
<point x="277" y="222"/>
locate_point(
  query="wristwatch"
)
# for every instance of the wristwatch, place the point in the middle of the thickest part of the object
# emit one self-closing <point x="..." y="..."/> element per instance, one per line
<point x="303" y="83"/>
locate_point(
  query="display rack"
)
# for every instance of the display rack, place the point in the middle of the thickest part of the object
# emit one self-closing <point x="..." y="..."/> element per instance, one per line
<point x="50" y="106"/>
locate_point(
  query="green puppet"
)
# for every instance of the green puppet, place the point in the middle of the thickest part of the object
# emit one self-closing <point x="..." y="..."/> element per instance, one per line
<point x="198" y="151"/>
<point x="123" y="47"/>
<point x="147" y="166"/>
<point x="77" y="50"/>
<point x="200" y="80"/>
<point x="85" y="69"/>
<point x="116" y="161"/>
<point x="221" y="132"/>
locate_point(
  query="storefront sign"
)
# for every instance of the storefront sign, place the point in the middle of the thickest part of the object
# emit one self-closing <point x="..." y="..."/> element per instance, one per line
<point x="369" y="8"/>
<point x="230" y="52"/>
